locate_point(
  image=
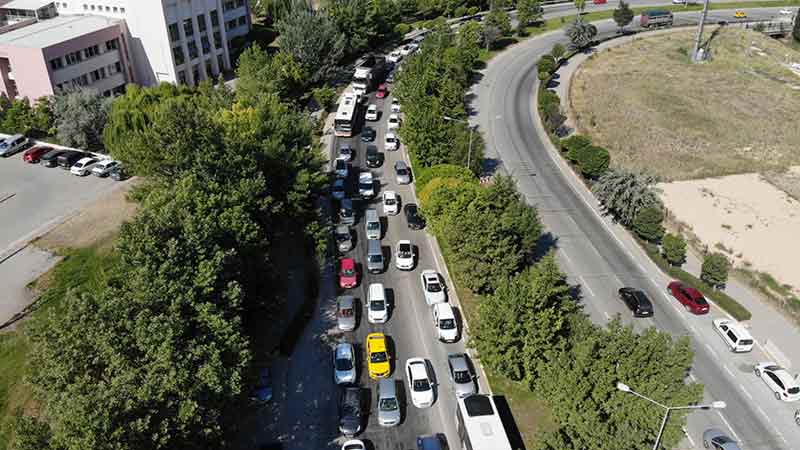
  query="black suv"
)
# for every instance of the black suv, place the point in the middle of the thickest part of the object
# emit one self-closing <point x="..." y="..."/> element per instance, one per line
<point x="637" y="302"/>
<point x="68" y="159"/>
<point x="119" y="173"/>
<point x="415" y="221"/>
<point x="367" y="134"/>
<point x="351" y="406"/>
<point x="373" y="156"/>
<point x="50" y="159"/>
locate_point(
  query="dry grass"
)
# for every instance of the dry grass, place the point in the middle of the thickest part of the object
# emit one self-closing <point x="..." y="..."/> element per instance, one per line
<point x="787" y="181"/>
<point x="656" y="111"/>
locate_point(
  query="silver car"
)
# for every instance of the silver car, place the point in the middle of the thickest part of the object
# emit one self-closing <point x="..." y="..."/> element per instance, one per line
<point x="717" y="440"/>
<point x="388" y="405"/>
<point x="461" y="375"/>
<point x="344" y="239"/>
<point x="344" y="363"/>
<point x="346" y="313"/>
<point x="402" y="172"/>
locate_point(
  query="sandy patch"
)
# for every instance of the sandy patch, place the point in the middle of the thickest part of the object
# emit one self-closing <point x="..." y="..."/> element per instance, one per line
<point x="744" y="216"/>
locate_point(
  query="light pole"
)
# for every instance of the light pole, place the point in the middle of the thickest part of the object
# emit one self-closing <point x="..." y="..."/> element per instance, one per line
<point x="471" y="129"/>
<point x="714" y="405"/>
<point x="696" y="52"/>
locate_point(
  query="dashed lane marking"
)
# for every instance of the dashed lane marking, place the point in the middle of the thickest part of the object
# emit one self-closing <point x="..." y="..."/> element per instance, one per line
<point x="745" y="392"/>
<point x="727" y="424"/>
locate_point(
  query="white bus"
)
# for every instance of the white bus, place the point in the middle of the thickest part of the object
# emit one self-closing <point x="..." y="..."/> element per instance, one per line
<point x="479" y="424"/>
<point x="346" y="115"/>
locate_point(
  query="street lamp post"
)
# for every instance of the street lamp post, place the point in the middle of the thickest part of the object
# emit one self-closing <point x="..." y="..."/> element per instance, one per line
<point x="471" y="130"/>
<point x="667" y="409"/>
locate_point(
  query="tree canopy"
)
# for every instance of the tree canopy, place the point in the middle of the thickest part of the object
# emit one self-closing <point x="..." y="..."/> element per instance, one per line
<point x="319" y="52"/>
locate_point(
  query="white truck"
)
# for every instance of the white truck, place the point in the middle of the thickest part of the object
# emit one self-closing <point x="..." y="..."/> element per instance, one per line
<point x="370" y="70"/>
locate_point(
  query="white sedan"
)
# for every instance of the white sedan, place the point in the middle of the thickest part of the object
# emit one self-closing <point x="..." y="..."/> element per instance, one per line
<point x="394" y="122"/>
<point x="395" y="108"/>
<point x="786" y="12"/>
<point x="104" y="167"/>
<point x="344" y="367"/>
<point x="419" y="383"/>
<point x="372" y="113"/>
<point x="390" y="142"/>
<point x="83" y="167"/>
<point x="395" y="56"/>
<point x="783" y="385"/>
<point x="404" y="255"/>
<point x="391" y="204"/>
<point x="432" y="287"/>
<point x="366" y="185"/>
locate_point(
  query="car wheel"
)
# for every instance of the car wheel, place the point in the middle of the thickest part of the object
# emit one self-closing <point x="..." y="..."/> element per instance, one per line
<point x="797" y="418"/>
<point x="778" y="395"/>
<point x="705" y="443"/>
<point x="757" y="372"/>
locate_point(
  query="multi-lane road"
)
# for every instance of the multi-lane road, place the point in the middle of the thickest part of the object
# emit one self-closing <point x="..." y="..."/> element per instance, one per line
<point x="599" y="257"/>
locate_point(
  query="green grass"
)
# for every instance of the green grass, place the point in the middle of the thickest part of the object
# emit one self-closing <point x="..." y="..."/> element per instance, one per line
<point x="531" y="414"/>
<point x="84" y="269"/>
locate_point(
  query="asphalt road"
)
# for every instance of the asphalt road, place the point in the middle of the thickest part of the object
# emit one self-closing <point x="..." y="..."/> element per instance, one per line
<point x="591" y="251"/>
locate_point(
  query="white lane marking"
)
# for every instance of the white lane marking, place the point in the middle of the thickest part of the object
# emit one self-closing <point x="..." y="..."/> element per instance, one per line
<point x="745" y="392"/>
<point x="728" y="370"/>
<point x="691" y="375"/>
<point x="713" y="353"/>
<point x="730" y="428"/>
<point x="764" y="414"/>
<point x="586" y="285"/>
<point x="691" y="441"/>
<point x="607" y="316"/>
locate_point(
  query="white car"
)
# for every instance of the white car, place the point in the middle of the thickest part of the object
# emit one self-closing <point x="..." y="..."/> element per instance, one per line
<point x="779" y="380"/>
<point x="337" y="190"/>
<point x="406" y="50"/>
<point x="394" y="56"/>
<point x="390" y="142"/>
<point x="366" y="185"/>
<point x="444" y="320"/>
<point x="394" y="122"/>
<point x="345" y="152"/>
<point x="395" y="108"/>
<point x="786" y="12"/>
<point x="372" y="113"/>
<point x="83" y="166"/>
<point x="419" y="383"/>
<point x="377" y="308"/>
<point x="344" y="367"/>
<point x="354" y="444"/>
<point x="103" y="168"/>
<point x="340" y="167"/>
<point x="432" y="287"/>
<point x="404" y="255"/>
<point x="391" y="203"/>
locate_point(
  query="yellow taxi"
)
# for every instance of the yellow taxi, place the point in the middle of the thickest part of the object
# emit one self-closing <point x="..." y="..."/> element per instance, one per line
<point x="377" y="356"/>
<point x="739" y="14"/>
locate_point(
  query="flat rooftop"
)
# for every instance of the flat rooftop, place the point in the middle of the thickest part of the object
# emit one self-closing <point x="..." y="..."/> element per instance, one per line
<point x="56" y="30"/>
<point x="25" y="4"/>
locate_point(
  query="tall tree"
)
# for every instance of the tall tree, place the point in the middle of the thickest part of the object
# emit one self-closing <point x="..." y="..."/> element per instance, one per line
<point x="796" y="28"/>
<point x="580" y="33"/>
<point x="499" y="19"/>
<point x="623" y="15"/>
<point x="272" y="10"/>
<point x="18" y="118"/>
<point x="580" y="5"/>
<point x="624" y="194"/>
<point x="80" y="116"/>
<point x="259" y="73"/>
<point x="318" y="53"/>
<point x="648" y="224"/>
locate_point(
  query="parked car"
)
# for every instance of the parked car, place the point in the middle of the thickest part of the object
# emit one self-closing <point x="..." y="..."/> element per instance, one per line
<point x="34" y="154"/>
<point x="350" y="411"/>
<point x="393" y="122"/>
<point x="388" y="404"/>
<point x="786" y="12"/>
<point x="715" y="439"/>
<point x="391" y="203"/>
<point x="391" y="77"/>
<point x="344" y="363"/>
<point x="68" y="159"/>
<point x="50" y="159"/>
<point x="103" y="168"/>
<point x="368" y="134"/>
<point x="395" y="107"/>
<point x="378" y="361"/>
<point x="374" y="256"/>
<point x="372" y="224"/>
<point x="83" y="167"/>
<point x="420" y="385"/>
<point x="366" y="185"/>
<point x="395" y="57"/>
<point x="414" y="220"/>
<point x="341" y="168"/>
<point x="346" y="153"/>
<point x="377" y="308"/>
<point x="461" y="375"/>
<point x="390" y="142"/>
<point x="344" y="238"/>
<point x="347" y="213"/>
<point x="444" y="320"/>
<point x="119" y="173"/>
<point x="373" y="156"/>
<point x="735" y="336"/>
<point x="636" y="301"/>
<point x="432" y="287"/>
<point x="404" y="255"/>
<point x="354" y="444"/>
<point x="12" y="144"/>
<point x="337" y="190"/>
<point x="402" y="172"/>
<point x="263" y="389"/>
<point x="372" y="113"/>
<point x="429" y="442"/>
<point x="346" y="313"/>
<point x="689" y="297"/>
<point x="382" y="91"/>
<point x="406" y="50"/>
<point x="778" y="379"/>
<point x="348" y="276"/>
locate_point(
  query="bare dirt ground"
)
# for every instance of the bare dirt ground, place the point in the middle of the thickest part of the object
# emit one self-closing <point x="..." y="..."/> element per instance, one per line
<point x="656" y="111"/>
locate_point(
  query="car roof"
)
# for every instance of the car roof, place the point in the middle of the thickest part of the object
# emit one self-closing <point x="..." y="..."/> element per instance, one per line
<point x="387" y="388"/>
<point x="372" y="106"/>
<point x="400" y="165"/>
<point x="784" y="376"/>
<point x="444" y="310"/>
<point x="430" y="275"/>
<point x="391" y="194"/>
<point x="342" y="228"/>
<point x="344" y="349"/>
<point x="365" y="175"/>
<point x="376" y="342"/>
<point x="338" y="182"/>
<point x="403" y="241"/>
<point x="392" y="135"/>
<point x="458" y="362"/>
<point x="348" y="262"/>
<point x="418" y="369"/>
<point x="86" y="160"/>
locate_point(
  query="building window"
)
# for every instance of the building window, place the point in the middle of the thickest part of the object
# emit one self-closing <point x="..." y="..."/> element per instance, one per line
<point x="108" y="8"/>
<point x="91" y="51"/>
<point x="206" y="45"/>
<point x="182" y="76"/>
<point x="201" y="23"/>
<point x="116" y="10"/>
<point x="57" y="63"/>
<point x="122" y="10"/>
<point x="119" y="90"/>
<point x="192" y="49"/>
<point x="85" y="6"/>
<point x="231" y="24"/>
<point x="217" y="39"/>
<point x="73" y="58"/>
<point x="214" y="18"/>
<point x="98" y="74"/>
<point x="113" y="44"/>
<point x="242" y="21"/>
<point x="209" y="68"/>
<point x="230" y="4"/>
<point x="174" y="35"/>
<point x="118" y="66"/>
<point x="239" y="3"/>
<point x="177" y="54"/>
<point x="188" y="28"/>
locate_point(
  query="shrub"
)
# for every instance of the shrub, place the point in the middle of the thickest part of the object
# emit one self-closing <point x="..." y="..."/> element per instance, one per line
<point x="461" y="11"/>
<point x="472" y="10"/>
<point x="715" y="270"/>
<point x="550" y="110"/>
<point x="325" y="96"/>
<point x="402" y="28"/>
<point x="557" y="52"/>
<point x="647" y="224"/>
<point x="546" y="64"/>
<point x="573" y="144"/>
<point x="442" y="171"/>
<point x="593" y="161"/>
<point x="673" y="249"/>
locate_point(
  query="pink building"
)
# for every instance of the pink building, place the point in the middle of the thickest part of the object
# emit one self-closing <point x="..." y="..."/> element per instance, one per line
<point x="64" y="51"/>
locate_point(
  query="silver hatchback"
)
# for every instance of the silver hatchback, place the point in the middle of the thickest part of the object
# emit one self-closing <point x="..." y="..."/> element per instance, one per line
<point x="346" y="313"/>
<point x="461" y="375"/>
<point x="402" y="172"/>
<point x="388" y="404"/>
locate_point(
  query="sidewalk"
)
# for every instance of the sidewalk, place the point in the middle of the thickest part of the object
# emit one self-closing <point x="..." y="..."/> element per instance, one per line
<point x="777" y="335"/>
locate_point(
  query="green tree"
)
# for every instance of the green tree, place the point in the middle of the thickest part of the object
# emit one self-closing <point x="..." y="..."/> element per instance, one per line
<point x="363" y="23"/>
<point x="325" y="96"/>
<point x="796" y="28"/>
<point x="623" y="15"/>
<point x="18" y="118"/>
<point x="580" y="33"/>
<point x="528" y="12"/>
<point x="624" y="194"/>
<point x="557" y="51"/>
<point x="498" y="18"/>
<point x="318" y="53"/>
<point x="259" y="73"/>
<point x="550" y="110"/>
<point x="673" y="248"/>
<point x="573" y="144"/>
<point x="546" y="64"/>
<point x="593" y="161"/>
<point x="714" y="270"/>
<point x="79" y="118"/>
<point x="32" y="434"/>
<point x="580" y="5"/>
<point x="272" y="10"/>
<point x="648" y="224"/>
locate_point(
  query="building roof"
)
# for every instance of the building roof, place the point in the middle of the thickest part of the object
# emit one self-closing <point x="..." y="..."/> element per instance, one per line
<point x="25" y="4"/>
<point x="53" y="31"/>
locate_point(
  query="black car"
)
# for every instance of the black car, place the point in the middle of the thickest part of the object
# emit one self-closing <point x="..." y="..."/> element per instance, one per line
<point x="68" y="159"/>
<point x="50" y="159"/>
<point x="119" y="173"/>
<point x="367" y="134"/>
<point x="351" y="406"/>
<point x="637" y="302"/>
<point x="415" y="221"/>
<point x="373" y="156"/>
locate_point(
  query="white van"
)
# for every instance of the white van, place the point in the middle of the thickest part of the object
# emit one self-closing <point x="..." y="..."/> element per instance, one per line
<point x="377" y="309"/>
<point x="444" y="320"/>
<point x="736" y="337"/>
<point x="372" y="224"/>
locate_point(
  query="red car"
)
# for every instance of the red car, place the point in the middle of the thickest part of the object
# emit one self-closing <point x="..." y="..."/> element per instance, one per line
<point x="348" y="277"/>
<point x="382" y="91"/>
<point x="689" y="297"/>
<point x="32" y="155"/>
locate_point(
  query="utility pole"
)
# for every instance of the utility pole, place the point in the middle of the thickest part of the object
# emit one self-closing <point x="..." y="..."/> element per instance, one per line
<point x="698" y="39"/>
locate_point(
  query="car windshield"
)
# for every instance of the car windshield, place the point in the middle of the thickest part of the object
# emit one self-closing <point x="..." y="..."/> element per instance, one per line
<point x="404" y="251"/>
<point x="447" y="324"/>
<point x="388" y="404"/>
<point x="377" y="305"/>
<point x="348" y="272"/>
<point x="341" y="237"/>
<point x="794" y="390"/>
<point x="338" y="187"/>
<point x="389" y="139"/>
<point x="345" y="150"/>
<point x="373" y="225"/>
<point x="375" y="258"/>
<point x="346" y="312"/>
<point x="378" y="357"/>
<point x="389" y="201"/>
<point x="422" y="385"/>
<point x="402" y="171"/>
<point x="340" y="164"/>
<point x="365" y="185"/>
<point x="461" y="376"/>
<point x="344" y="212"/>
<point x="344" y="364"/>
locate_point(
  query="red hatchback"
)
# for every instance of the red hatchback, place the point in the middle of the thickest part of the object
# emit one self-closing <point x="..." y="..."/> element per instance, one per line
<point x="382" y="91"/>
<point x="689" y="297"/>
<point x="348" y="277"/>
<point x="32" y="155"/>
